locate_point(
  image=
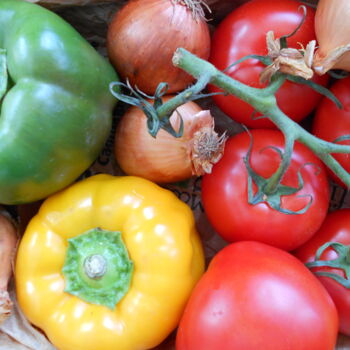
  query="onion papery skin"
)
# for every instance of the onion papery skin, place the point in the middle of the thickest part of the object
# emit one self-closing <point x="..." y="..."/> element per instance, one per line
<point x="164" y="159"/>
<point x="143" y="36"/>
<point x="332" y="28"/>
<point x="8" y="247"/>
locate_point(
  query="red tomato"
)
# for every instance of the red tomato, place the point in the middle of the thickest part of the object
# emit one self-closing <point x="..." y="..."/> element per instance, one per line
<point x="254" y="296"/>
<point x="330" y="122"/>
<point x="225" y="196"/>
<point x="243" y="33"/>
<point x="335" y="228"/>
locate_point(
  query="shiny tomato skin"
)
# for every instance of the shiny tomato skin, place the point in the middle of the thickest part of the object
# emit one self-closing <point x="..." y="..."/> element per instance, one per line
<point x="255" y="296"/>
<point x="335" y="228"/>
<point x="331" y="122"/>
<point x="242" y="33"/>
<point x="225" y="195"/>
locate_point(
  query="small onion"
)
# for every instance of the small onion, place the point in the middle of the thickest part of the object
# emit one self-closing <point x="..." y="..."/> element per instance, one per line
<point x="143" y="36"/>
<point x="332" y="28"/>
<point x="167" y="159"/>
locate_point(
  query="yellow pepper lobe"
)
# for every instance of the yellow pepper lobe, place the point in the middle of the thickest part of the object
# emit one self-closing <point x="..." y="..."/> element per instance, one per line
<point x="97" y="267"/>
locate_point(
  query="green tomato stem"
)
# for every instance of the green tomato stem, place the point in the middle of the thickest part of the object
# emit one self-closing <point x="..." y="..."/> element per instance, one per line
<point x="263" y="101"/>
<point x="276" y="178"/>
<point x="341" y="262"/>
<point x="167" y="108"/>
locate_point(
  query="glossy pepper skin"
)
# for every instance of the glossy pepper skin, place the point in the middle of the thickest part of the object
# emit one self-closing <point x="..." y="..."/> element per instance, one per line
<point x="159" y="234"/>
<point x="56" y="108"/>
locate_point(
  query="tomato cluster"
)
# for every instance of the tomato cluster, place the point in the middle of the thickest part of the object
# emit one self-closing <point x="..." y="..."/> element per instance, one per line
<point x="257" y="293"/>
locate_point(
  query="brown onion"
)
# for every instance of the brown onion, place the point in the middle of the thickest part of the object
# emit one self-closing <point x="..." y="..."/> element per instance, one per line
<point x="8" y="243"/>
<point x="165" y="158"/>
<point x="332" y="28"/>
<point x="143" y="36"/>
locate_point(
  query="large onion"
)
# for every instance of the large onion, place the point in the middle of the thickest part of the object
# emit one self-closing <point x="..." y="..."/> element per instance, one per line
<point x="166" y="159"/>
<point x="143" y="36"/>
<point x="332" y="28"/>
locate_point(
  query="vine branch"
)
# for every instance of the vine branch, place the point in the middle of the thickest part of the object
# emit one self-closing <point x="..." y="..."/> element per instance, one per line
<point x="264" y="101"/>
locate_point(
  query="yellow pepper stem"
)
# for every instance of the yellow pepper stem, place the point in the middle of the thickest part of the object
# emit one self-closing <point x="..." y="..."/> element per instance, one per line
<point x="97" y="267"/>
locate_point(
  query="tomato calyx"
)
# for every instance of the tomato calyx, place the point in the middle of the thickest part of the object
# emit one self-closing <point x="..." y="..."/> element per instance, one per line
<point x="270" y="190"/>
<point x="3" y="73"/>
<point x="342" y="138"/>
<point x="342" y="262"/>
<point x="292" y="64"/>
<point x="296" y="62"/>
<point x="288" y="60"/>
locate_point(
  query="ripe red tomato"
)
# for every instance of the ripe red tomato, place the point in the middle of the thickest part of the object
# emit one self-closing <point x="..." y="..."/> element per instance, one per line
<point x="335" y="228"/>
<point x="243" y="33"/>
<point x="254" y="296"/>
<point x="330" y="122"/>
<point x="225" y="196"/>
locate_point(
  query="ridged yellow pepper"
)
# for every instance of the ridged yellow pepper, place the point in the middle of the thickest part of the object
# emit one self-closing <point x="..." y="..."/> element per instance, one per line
<point x="108" y="264"/>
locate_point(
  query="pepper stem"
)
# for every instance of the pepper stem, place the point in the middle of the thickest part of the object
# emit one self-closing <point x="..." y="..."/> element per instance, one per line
<point x="97" y="268"/>
<point x="3" y="73"/>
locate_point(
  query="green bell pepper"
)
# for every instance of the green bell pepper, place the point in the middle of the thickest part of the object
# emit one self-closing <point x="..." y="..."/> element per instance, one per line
<point x="56" y="108"/>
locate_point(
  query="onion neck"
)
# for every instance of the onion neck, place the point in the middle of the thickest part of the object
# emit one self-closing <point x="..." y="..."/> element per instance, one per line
<point x="195" y="6"/>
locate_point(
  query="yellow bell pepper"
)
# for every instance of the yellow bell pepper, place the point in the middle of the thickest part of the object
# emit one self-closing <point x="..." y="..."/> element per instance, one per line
<point x="108" y="264"/>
